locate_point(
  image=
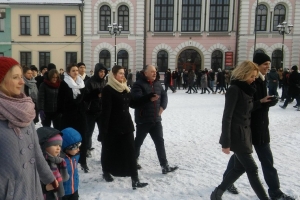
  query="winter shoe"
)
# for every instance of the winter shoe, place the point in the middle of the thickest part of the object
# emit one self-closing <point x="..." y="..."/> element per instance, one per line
<point x="88" y="154"/>
<point x="232" y="189"/>
<point x="282" y="106"/>
<point x="85" y="168"/>
<point x="166" y="169"/>
<point x="298" y="109"/>
<point x="282" y="197"/>
<point x="107" y="177"/>
<point x="137" y="184"/>
<point x="295" y="106"/>
<point x="216" y="194"/>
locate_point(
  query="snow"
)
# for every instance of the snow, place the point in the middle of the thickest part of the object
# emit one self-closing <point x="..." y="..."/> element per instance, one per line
<point x="192" y="126"/>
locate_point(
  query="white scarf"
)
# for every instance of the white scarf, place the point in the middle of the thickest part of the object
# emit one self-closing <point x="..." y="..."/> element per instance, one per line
<point x="75" y="85"/>
<point x="261" y="76"/>
<point x="82" y="76"/>
<point x="120" y="87"/>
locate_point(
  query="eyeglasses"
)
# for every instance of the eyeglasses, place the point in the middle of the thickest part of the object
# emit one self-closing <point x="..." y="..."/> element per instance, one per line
<point x="74" y="146"/>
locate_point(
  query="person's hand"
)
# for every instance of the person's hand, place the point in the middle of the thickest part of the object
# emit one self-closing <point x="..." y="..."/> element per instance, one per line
<point x="226" y="150"/>
<point x="161" y="110"/>
<point x="265" y="99"/>
<point x="42" y="115"/>
<point x="52" y="186"/>
<point x="155" y="97"/>
<point x="99" y="95"/>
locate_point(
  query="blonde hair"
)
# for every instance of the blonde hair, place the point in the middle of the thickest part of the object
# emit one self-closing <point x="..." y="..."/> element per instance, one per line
<point x="7" y="76"/>
<point x="244" y="70"/>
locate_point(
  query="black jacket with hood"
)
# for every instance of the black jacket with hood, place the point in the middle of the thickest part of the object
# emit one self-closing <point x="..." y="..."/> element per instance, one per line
<point x="94" y="87"/>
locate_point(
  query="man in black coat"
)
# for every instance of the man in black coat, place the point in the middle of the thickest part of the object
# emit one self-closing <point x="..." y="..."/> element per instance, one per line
<point x="260" y="132"/>
<point x="148" y="116"/>
<point x="94" y="87"/>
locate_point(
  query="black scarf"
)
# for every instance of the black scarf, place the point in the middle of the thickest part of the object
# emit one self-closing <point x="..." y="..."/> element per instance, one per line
<point x="243" y="85"/>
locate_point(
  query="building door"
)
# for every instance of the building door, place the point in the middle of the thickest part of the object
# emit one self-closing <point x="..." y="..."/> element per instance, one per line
<point x="189" y="59"/>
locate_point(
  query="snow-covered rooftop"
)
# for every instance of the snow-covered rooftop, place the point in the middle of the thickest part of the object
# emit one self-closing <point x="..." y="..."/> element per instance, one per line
<point x="40" y="1"/>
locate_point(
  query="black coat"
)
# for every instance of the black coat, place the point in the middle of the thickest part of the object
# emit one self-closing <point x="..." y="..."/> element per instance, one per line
<point x="148" y="112"/>
<point x="236" y="132"/>
<point x="294" y="79"/>
<point x="117" y="131"/>
<point x="260" y="115"/>
<point x="47" y="98"/>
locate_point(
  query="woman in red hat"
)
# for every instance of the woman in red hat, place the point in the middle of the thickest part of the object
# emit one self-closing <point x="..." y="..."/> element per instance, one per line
<point x="22" y="163"/>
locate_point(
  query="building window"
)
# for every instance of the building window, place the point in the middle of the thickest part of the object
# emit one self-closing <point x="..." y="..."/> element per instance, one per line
<point x="104" y="58"/>
<point x="25" y="58"/>
<point x="25" y="25"/>
<point x="163" y="15"/>
<point x="44" y="58"/>
<point x="279" y="15"/>
<point x="261" y="21"/>
<point x="2" y="24"/>
<point x="191" y="15"/>
<point x="122" y="58"/>
<point x="162" y="61"/>
<point x="70" y="25"/>
<point x="44" y="25"/>
<point x="105" y="17"/>
<point x="71" y="57"/>
<point x="276" y="59"/>
<point x="217" y="60"/>
<point x="123" y="17"/>
<point x="219" y="15"/>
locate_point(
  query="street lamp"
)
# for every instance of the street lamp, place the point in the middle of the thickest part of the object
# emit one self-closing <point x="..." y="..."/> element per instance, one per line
<point x="115" y="29"/>
<point x="283" y="28"/>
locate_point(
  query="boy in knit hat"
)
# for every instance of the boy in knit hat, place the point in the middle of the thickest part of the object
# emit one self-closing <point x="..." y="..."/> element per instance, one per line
<point x="70" y="152"/>
<point x="51" y="141"/>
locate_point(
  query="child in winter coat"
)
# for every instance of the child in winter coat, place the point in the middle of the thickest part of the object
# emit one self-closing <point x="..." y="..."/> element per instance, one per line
<point x="51" y="141"/>
<point x="70" y="148"/>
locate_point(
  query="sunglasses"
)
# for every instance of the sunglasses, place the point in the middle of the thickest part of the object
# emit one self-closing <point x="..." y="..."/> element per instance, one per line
<point x="74" y="146"/>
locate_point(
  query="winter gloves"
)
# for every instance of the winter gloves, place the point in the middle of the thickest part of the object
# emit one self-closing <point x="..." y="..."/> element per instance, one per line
<point x="273" y="101"/>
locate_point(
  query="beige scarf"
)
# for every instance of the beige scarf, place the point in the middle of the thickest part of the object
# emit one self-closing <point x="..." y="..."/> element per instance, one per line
<point x="120" y="87"/>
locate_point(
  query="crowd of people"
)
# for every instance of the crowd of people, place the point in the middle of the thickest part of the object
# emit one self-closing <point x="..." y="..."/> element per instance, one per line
<point x="70" y="103"/>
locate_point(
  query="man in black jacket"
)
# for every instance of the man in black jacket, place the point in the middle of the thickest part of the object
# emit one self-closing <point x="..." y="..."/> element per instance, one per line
<point x="94" y="88"/>
<point x="148" y="116"/>
<point x="260" y="132"/>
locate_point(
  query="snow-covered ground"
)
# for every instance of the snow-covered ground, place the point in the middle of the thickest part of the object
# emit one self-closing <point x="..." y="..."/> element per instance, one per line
<point x="192" y="127"/>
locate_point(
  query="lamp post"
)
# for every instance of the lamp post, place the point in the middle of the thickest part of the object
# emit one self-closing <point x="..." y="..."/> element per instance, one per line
<point x="115" y="29"/>
<point x="283" y="28"/>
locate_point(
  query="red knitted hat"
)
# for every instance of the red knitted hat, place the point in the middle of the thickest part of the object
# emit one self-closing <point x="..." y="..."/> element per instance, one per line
<point x="5" y="64"/>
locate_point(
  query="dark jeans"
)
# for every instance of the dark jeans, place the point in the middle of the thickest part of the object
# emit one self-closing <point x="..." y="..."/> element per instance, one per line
<point x="53" y="117"/>
<point x="73" y="196"/>
<point x="284" y="92"/>
<point x="156" y="132"/>
<point x="239" y="163"/>
<point x="265" y="157"/>
<point x="169" y="86"/>
<point x="273" y="90"/>
<point x="91" y="119"/>
<point x="290" y="97"/>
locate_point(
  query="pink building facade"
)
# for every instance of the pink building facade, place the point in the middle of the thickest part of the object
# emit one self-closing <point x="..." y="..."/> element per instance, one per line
<point x="187" y="34"/>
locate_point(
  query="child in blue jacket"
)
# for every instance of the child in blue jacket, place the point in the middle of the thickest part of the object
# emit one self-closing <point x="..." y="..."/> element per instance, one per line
<point x="70" y="148"/>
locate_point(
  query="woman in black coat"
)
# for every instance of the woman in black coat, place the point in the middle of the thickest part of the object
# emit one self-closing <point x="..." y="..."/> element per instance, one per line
<point x="72" y="107"/>
<point x="236" y="131"/>
<point x="118" y="156"/>
<point x="47" y="99"/>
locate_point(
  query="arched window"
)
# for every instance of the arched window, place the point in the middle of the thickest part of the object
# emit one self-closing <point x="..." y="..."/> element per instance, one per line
<point x="276" y="58"/>
<point x="123" y="17"/>
<point x="105" y="18"/>
<point x="163" y="15"/>
<point x="261" y="21"/>
<point x="162" y="61"/>
<point x="219" y="15"/>
<point x="191" y="15"/>
<point x="104" y="58"/>
<point x="279" y="15"/>
<point x="217" y="60"/>
<point x="123" y="59"/>
<point x="189" y="59"/>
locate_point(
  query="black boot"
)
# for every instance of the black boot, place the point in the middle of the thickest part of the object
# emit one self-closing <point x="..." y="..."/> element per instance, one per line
<point x="107" y="177"/>
<point x="232" y="189"/>
<point x="138" y="166"/>
<point x="216" y="194"/>
<point x="202" y="91"/>
<point x="166" y="169"/>
<point x="136" y="183"/>
<point x="85" y="168"/>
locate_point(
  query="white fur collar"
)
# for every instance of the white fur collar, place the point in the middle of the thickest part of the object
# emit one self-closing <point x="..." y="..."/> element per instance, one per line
<point x="261" y="76"/>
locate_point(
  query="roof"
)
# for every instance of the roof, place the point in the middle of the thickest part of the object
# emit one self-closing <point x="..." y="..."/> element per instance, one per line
<point x="41" y="2"/>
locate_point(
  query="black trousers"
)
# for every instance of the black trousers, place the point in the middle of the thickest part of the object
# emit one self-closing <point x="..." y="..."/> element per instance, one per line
<point x="169" y="86"/>
<point x="73" y="196"/>
<point x="91" y="119"/>
<point x="243" y="162"/>
<point x="53" y="117"/>
<point x="156" y="132"/>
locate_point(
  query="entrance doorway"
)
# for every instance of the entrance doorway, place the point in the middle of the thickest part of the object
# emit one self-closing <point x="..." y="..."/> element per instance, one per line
<point x="189" y="59"/>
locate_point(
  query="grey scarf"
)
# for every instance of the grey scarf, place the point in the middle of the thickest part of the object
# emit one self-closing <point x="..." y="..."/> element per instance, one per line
<point x="33" y="91"/>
